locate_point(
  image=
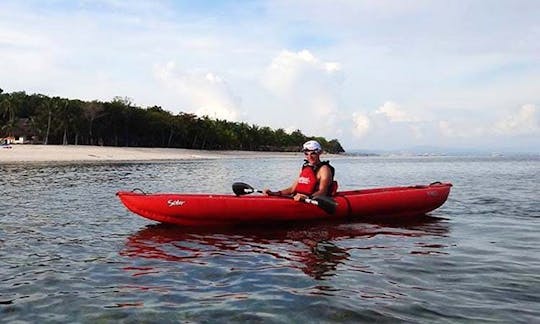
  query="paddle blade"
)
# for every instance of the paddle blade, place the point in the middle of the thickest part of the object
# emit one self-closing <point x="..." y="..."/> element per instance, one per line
<point x="240" y="188"/>
<point x="325" y="203"/>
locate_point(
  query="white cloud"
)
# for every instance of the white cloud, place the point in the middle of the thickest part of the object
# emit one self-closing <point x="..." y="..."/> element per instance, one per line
<point x="525" y="121"/>
<point x="307" y="91"/>
<point x="361" y="125"/>
<point x="388" y="118"/>
<point x="394" y="113"/>
<point x="202" y="93"/>
<point x="463" y="130"/>
<point x="291" y="71"/>
<point x="18" y="39"/>
<point x="447" y="129"/>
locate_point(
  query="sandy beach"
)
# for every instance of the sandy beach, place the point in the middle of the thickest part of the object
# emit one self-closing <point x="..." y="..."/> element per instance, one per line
<point x="80" y="153"/>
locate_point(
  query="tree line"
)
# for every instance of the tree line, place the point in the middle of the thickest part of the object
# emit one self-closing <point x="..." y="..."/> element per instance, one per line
<point x="55" y="120"/>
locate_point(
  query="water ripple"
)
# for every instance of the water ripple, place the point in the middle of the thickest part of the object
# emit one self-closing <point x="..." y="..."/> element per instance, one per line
<point x="69" y="252"/>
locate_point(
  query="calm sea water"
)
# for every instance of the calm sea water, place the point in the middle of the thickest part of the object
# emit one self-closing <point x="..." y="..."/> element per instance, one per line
<point x="70" y="252"/>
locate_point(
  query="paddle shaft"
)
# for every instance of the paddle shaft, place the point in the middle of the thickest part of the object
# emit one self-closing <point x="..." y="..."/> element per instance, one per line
<point x="325" y="203"/>
<point x="308" y="200"/>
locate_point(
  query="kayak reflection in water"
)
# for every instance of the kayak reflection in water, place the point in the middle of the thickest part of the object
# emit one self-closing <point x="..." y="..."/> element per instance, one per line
<point x="319" y="250"/>
<point x="318" y="255"/>
<point x="316" y="177"/>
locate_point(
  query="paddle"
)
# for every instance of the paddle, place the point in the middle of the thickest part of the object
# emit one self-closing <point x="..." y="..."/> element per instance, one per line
<point x="325" y="203"/>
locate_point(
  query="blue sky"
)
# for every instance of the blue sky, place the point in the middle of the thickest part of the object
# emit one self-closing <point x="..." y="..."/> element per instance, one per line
<point x="375" y="74"/>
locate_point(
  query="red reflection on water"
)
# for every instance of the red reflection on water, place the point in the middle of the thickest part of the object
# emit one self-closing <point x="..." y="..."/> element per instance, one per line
<point x="317" y="255"/>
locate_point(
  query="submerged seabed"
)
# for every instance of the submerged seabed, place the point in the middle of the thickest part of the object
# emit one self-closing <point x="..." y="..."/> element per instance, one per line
<point x="69" y="251"/>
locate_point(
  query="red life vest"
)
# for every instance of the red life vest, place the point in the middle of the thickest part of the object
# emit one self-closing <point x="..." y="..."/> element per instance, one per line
<point x="307" y="182"/>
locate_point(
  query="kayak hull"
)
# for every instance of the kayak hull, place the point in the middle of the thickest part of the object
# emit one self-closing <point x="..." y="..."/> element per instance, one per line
<point x="219" y="209"/>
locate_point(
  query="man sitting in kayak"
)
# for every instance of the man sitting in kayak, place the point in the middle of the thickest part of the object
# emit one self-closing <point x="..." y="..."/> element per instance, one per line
<point x="316" y="177"/>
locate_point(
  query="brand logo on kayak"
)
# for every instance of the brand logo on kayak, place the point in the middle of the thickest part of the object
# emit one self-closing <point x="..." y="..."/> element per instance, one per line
<point x="433" y="193"/>
<point x="172" y="203"/>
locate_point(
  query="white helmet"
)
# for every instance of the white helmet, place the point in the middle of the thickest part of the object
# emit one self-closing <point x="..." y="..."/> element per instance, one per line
<point x="312" y="146"/>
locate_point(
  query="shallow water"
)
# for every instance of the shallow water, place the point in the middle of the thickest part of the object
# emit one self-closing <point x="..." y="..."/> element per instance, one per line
<point x="69" y="251"/>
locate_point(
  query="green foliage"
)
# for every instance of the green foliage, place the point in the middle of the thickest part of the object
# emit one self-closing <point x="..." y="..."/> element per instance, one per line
<point x="119" y="123"/>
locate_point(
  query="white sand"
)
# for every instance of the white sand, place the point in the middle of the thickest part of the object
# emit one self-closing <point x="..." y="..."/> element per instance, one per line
<point x="75" y="153"/>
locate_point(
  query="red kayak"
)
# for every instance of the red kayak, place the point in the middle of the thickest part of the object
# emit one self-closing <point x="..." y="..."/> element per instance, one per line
<point x="221" y="209"/>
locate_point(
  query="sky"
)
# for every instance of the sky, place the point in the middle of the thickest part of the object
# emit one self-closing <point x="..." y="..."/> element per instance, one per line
<point x="374" y="74"/>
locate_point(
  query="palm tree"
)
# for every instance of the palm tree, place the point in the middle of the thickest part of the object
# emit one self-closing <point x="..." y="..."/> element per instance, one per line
<point x="91" y="111"/>
<point x="8" y="109"/>
<point x="49" y="106"/>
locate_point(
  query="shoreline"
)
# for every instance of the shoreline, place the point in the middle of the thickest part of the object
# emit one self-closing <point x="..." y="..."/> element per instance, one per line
<point x="27" y="153"/>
